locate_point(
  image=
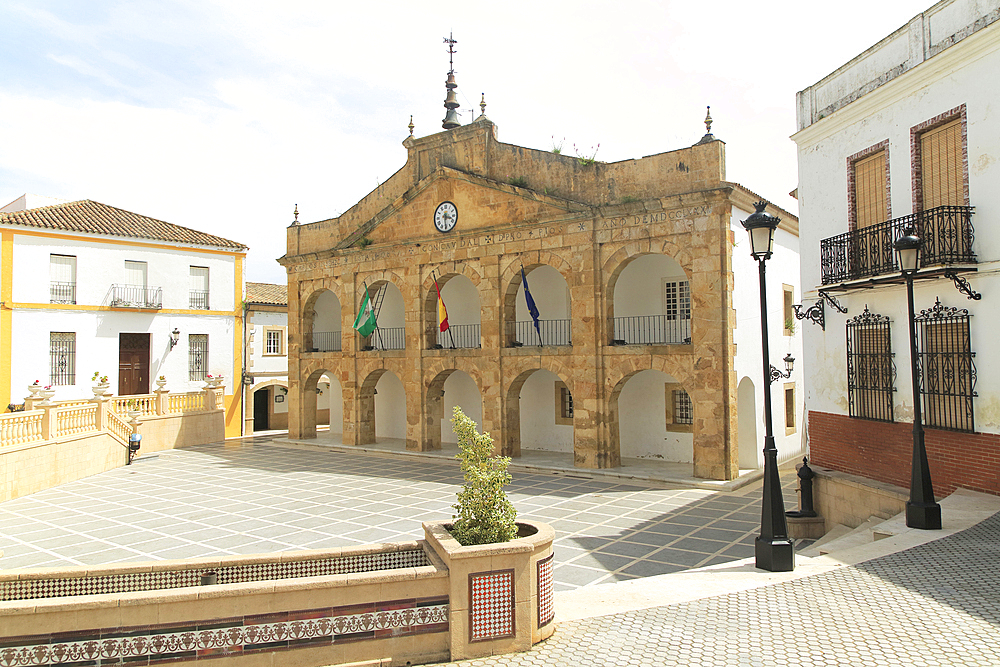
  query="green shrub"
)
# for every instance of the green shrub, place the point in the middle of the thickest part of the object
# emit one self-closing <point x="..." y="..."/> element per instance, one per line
<point x="485" y="514"/>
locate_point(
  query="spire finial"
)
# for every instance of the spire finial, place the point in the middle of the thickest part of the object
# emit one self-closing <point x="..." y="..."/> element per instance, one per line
<point x="482" y="104"/>
<point x="296" y="215"/>
<point x="708" y="127"/>
<point x="451" y="100"/>
<point x="411" y="125"/>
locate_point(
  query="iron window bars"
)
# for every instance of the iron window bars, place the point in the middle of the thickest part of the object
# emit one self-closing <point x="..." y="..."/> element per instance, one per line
<point x="62" y="358"/>
<point x="871" y="372"/>
<point x="197" y="356"/>
<point x="946" y="369"/>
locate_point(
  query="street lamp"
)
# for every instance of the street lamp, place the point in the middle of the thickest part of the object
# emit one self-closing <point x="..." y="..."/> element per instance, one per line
<point x="922" y="511"/>
<point x="773" y="549"/>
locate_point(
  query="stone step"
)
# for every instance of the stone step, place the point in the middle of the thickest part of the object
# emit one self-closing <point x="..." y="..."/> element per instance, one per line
<point x="863" y="534"/>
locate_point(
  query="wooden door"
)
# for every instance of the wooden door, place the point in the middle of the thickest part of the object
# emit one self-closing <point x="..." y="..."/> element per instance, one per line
<point x="133" y="364"/>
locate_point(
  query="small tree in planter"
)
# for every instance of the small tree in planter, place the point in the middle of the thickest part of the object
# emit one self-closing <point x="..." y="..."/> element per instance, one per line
<point x="485" y="514"/>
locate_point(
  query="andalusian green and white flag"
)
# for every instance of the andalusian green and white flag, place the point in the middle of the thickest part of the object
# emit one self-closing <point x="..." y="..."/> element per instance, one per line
<point x="365" y="323"/>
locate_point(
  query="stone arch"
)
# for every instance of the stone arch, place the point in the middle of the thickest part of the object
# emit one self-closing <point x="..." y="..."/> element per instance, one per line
<point x="511" y="445"/>
<point x="619" y="260"/>
<point x="316" y="289"/>
<point x="510" y="282"/>
<point x="468" y="336"/>
<point x="434" y="403"/>
<point x="389" y="320"/>
<point x="619" y="375"/>
<point x="366" y="394"/>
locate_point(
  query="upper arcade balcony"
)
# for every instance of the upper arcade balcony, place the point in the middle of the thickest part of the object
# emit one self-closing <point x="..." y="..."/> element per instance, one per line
<point x="946" y="232"/>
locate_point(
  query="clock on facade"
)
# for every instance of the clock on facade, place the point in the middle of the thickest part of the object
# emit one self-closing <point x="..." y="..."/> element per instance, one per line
<point x="445" y="216"/>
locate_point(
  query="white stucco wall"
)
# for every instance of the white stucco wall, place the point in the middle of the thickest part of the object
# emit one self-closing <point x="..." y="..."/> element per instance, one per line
<point x="953" y="77"/>
<point x="461" y="390"/>
<point x="390" y="407"/>
<point x="642" y="421"/>
<point x="257" y="359"/>
<point x="640" y="290"/>
<point x="782" y="269"/>
<point x="550" y="292"/>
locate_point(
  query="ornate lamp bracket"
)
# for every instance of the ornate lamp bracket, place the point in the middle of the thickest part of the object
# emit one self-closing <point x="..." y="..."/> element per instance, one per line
<point x="833" y="302"/>
<point x="815" y="313"/>
<point x="777" y="375"/>
<point x="963" y="286"/>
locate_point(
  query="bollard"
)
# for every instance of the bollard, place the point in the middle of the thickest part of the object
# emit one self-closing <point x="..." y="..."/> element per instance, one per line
<point x="209" y="578"/>
<point x="806" y="475"/>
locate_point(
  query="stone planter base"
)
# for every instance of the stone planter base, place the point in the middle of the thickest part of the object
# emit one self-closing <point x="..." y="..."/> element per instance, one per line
<point x="501" y="594"/>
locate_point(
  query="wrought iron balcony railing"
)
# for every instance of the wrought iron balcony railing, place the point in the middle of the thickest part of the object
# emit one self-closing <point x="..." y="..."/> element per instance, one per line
<point x="198" y="299"/>
<point x="460" y="335"/>
<point x="321" y="341"/>
<point x="651" y="330"/>
<point x="946" y="232"/>
<point x="550" y="332"/>
<point x="390" y="338"/>
<point x="62" y="292"/>
<point x="136" y="296"/>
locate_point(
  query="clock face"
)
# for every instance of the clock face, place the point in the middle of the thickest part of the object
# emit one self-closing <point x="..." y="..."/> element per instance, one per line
<point x="445" y="216"/>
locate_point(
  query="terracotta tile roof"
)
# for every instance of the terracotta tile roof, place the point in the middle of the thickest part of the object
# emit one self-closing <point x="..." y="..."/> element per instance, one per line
<point x="91" y="217"/>
<point x="267" y="293"/>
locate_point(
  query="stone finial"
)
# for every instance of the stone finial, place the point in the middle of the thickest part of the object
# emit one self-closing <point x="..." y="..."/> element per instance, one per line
<point x="482" y="104"/>
<point x="411" y="125"/>
<point x="708" y="127"/>
<point x="296" y="215"/>
<point x="451" y="120"/>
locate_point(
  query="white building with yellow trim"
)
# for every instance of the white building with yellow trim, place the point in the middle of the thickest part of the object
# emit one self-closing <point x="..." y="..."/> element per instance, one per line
<point x="88" y="287"/>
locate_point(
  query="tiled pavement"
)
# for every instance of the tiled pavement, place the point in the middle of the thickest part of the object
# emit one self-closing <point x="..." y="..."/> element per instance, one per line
<point x="934" y="605"/>
<point x="254" y="496"/>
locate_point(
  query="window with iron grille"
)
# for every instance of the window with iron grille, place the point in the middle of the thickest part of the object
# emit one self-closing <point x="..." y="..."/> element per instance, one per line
<point x="678" y="296"/>
<point x="197" y="356"/>
<point x="871" y="373"/>
<point x="683" y="411"/>
<point x="946" y="368"/>
<point x="62" y="358"/>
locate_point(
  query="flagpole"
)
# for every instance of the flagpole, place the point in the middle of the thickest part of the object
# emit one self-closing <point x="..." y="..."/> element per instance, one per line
<point x="377" y="308"/>
<point x="533" y="319"/>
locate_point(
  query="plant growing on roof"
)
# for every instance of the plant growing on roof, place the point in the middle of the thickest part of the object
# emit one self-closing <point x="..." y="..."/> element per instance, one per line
<point x="584" y="158"/>
<point x="485" y="513"/>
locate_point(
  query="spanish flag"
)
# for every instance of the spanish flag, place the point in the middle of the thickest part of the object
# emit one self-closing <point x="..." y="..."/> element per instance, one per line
<point x="442" y="311"/>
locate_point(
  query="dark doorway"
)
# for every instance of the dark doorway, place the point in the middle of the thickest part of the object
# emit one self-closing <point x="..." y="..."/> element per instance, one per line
<point x="261" y="406"/>
<point x="133" y="364"/>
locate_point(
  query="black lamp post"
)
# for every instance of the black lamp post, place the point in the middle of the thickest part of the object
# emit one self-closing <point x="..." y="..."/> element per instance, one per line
<point x="922" y="511"/>
<point x="772" y="547"/>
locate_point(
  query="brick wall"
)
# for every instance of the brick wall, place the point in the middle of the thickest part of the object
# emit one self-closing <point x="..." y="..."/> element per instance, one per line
<point x="883" y="451"/>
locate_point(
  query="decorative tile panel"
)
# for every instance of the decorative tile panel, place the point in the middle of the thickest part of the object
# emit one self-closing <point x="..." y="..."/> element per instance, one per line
<point x="218" y="637"/>
<point x="30" y="589"/>
<point x="546" y="609"/>
<point x="491" y="605"/>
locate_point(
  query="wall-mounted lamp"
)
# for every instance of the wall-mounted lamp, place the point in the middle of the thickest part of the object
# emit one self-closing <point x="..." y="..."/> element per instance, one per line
<point x="175" y="336"/>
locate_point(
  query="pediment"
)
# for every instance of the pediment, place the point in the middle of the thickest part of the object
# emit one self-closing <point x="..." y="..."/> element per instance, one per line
<point x="482" y="204"/>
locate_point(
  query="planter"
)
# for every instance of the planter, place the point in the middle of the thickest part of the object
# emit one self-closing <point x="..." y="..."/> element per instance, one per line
<point x="100" y="389"/>
<point x="34" y="389"/>
<point x="133" y="414"/>
<point x="501" y="594"/>
<point x="215" y="381"/>
<point x="160" y="384"/>
<point x="47" y="395"/>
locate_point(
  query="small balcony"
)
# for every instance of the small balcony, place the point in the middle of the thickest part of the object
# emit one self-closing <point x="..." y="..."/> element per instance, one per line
<point x="60" y="292"/>
<point x="465" y="336"/>
<point x="136" y="296"/>
<point x="946" y="232"/>
<point x="387" y="338"/>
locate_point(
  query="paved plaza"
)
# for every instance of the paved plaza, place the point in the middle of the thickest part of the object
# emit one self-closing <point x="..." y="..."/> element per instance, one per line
<point x="254" y="495"/>
<point x="934" y="605"/>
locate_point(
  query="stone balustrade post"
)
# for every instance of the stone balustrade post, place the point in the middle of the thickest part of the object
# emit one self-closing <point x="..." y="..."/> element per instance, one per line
<point x="101" y="416"/>
<point x="213" y="397"/>
<point x="162" y="400"/>
<point x="49" y="423"/>
<point x="32" y="402"/>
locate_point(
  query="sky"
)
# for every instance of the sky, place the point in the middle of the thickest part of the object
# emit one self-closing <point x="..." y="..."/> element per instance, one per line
<point x="223" y="115"/>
